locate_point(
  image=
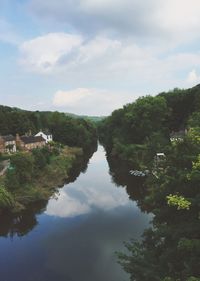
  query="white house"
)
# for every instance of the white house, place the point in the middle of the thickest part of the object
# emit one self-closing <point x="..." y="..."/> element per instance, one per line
<point x="7" y="144"/>
<point x="48" y="137"/>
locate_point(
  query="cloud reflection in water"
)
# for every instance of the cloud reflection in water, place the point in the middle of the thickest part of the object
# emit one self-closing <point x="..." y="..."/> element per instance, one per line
<point x="93" y="190"/>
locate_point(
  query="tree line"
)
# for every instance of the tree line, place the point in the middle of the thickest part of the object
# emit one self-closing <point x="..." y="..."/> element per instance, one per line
<point x="170" y="248"/>
<point x="140" y="129"/>
<point x="65" y="129"/>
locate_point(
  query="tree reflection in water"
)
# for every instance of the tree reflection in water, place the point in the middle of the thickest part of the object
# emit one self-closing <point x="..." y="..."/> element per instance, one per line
<point x="135" y="186"/>
<point x="24" y="222"/>
<point x="170" y="249"/>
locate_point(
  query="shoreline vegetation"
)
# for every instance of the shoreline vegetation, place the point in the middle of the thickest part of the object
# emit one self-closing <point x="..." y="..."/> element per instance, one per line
<point x="35" y="176"/>
<point x="167" y="124"/>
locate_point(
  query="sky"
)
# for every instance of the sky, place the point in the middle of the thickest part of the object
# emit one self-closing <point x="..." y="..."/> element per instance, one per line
<point x="93" y="56"/>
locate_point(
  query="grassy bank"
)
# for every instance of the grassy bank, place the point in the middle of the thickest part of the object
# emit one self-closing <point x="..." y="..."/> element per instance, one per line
<point x="36" y="180"/>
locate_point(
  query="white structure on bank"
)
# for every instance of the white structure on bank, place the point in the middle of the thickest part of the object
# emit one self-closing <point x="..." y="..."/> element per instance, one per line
<point x="159" y="159"/>
<point x="47" y="136"/>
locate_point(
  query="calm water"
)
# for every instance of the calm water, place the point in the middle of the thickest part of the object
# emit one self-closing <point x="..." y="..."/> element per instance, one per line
<point x="74" y="237"/>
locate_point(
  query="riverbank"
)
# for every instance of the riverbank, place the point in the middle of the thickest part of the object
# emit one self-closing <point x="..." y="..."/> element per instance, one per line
<point x="161" y="134"/>
<point x="39" y="184"/>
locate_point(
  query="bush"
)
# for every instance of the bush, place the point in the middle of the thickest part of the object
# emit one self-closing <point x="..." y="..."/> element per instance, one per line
<point x="22" y="172"/>
<point x="6" y="199"/>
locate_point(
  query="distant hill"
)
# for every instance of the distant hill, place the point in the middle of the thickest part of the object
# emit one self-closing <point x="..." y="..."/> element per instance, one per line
<point x="86" y="117"/>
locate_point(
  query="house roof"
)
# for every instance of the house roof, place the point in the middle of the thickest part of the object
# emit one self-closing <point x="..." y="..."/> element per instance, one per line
<point x="8" y="138"/>
<point x="32" y="139"/>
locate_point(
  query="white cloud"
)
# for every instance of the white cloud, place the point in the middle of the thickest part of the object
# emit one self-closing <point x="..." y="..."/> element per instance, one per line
<point x="96" y="48"/>
<point x="73" y="54"/>
<point x="175" y="19"/>
<point x="103" y="71"/>
<point x="79" y="201"/>
<point x="89" y="101"/>
<point x="83" y="196"/>
<point x="180" y="17"/>
<point x="61" y="51"/>
<point x="43" y="53"/>
<point x="101" y="58"/>
<point x="70" y="98"/>
<point x="67" y="206"/>
<point x="193" y="78"/>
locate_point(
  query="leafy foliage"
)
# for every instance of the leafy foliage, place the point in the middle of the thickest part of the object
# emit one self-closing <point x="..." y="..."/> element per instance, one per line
<point x="170" y="249"/>
<point x="6" y="199"/>
<point x="179" y="201"/>
<point x="150" y="120"/>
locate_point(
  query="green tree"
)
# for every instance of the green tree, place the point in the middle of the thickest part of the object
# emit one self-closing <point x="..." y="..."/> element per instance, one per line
<point x="22" y="173"/>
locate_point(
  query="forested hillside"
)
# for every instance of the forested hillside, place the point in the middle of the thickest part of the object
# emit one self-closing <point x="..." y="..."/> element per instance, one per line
<point x="94" y="119"/>
<point x="66" y="130"/>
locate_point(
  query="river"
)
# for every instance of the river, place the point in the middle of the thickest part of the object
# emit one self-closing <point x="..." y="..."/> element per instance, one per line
<point x="75" y="235"/>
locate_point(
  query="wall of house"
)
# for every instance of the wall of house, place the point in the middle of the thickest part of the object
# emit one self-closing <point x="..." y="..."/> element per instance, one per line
<point x="4" y="144"/>
<point x="7" y="143"/>
<point x="30" y="146"/>
<point x="47" y="138"/>
<point x="18" y="143"/>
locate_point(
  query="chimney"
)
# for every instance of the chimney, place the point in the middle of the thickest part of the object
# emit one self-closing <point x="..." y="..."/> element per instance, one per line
<point x="17" y="137"/>
<point x="18" y="140"/>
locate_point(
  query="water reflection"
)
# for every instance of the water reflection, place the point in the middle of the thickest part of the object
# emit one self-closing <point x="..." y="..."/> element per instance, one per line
<point x="21" y="224"/>
<point x="166" y="251"/>
<point x="87" y="251"/>
<point x="87" y="196"/>
<point x="135" y="186"/>
<point x="78" y="234"/>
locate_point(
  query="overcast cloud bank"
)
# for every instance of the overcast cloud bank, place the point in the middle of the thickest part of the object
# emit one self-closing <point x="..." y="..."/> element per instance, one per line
<point x="89" y="52"/>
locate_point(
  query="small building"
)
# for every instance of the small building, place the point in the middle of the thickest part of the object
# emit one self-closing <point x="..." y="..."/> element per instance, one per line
<point x="45" y="135"/>
<point x="160" y="156"/>
<point x="159" y="160"/>
<point x="30" y="142"/>
<point x="178" y="136"/>
<point x="7" y="144"/>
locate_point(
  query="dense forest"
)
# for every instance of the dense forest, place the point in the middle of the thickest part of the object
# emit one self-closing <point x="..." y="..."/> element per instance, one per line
<point x="140" y="129"/>
<point x="170" y="249"/>
<point x="65" y="129"/>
